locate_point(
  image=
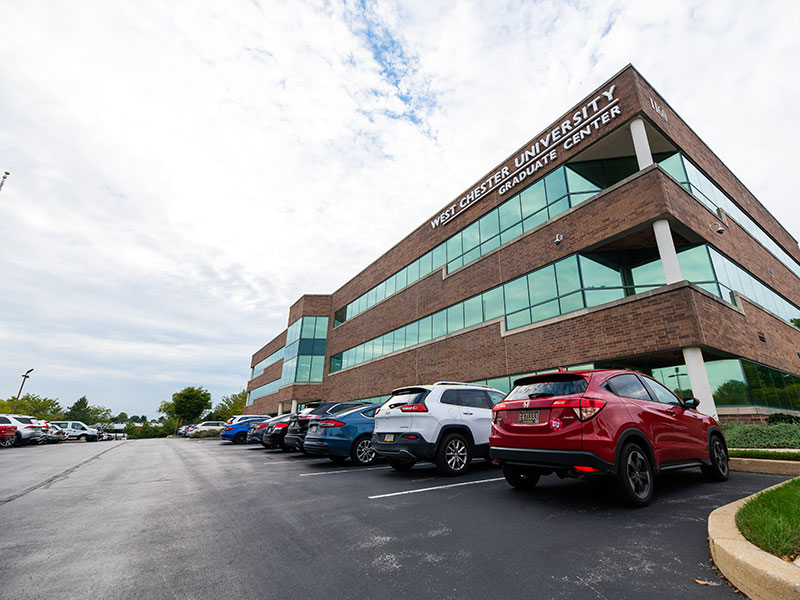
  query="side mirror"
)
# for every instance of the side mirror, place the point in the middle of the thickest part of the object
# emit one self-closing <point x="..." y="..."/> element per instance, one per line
<point x="691" y="403"/>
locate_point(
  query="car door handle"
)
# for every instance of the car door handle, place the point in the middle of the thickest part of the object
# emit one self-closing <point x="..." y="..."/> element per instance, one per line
<point x="467" y="413"/>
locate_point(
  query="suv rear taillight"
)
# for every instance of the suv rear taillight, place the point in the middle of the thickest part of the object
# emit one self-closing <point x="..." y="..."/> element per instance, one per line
<point x="584" y="408"/>
<point x="331" y="423"/>
<point x="280" y="425"/>
<point x="262" y="425"/>
<point x="414" y="408"/>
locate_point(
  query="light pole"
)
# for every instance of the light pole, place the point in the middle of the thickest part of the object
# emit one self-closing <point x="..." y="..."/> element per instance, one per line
<point x="678" y="375"/>
<point x="24" y="377"/>
<point x="3" y="180"/>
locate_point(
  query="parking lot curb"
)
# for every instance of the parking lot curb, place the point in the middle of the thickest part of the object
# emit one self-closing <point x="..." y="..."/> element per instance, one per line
<point x="758" y="574"/>
<point x="764" y="465"/>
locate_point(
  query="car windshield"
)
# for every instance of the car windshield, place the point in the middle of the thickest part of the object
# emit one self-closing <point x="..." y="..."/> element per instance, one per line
<point x="346" y="410"/>
<point x="548" y="387"/>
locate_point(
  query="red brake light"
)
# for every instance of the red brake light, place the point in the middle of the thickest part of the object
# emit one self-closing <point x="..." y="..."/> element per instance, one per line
<point x="331" y="423"/>
<point x="500" y="406"/>
<point x="414" y="408"/>
<point x="280" y="425"/>
<point x="410" y="436"/>
<point x="262" y="425"/>
<point x="586" y="469"/>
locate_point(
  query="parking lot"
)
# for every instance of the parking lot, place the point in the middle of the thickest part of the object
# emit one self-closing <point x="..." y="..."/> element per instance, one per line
<point x="180" y="518"/>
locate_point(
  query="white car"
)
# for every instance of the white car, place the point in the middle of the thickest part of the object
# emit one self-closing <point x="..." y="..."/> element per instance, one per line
<point x="237" y="418"/>
<point x="29" y="429"/>
<point x="77" y="430"/>
<point x="447" y="423"/>
<point x="207" y="426"/>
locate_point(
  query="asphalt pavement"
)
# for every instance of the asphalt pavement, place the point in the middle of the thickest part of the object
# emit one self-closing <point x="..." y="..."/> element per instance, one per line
<point x="177" y="518"/>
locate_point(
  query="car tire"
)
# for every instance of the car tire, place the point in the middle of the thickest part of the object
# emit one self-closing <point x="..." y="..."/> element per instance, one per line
<point x="362" y="453"/>
<point x="82" y="437"/>
<point x="718" y="469"/>
<point x="520" y="478"/>
<point x="635" y="476"/>
<point x="453" y="455"/>
<point x="8" y="441"/>
<point x="401" y="465"/>
<point x="240" y="438"/>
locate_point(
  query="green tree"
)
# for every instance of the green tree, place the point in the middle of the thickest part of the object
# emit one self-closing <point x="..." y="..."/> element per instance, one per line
<point x="121" y="417"/>
<point x="167" y="407"/>
<point x="230" y="406"/>
<point x="731" y="392"/>
<point x="84" y="412"/>
<point x="48" y="409"/>
<point x="190" y="402"/>
<point x="796" y="323"/>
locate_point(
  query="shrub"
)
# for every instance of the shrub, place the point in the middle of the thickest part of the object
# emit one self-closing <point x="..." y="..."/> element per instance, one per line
<point x="776" y="418"/>
<point x="771" y="520"/>
<point x="206" y="433"/>
<point x="782" y="435"/>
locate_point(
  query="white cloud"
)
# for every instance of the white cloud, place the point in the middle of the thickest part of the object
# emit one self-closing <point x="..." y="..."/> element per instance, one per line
<point x="182" y="173"/>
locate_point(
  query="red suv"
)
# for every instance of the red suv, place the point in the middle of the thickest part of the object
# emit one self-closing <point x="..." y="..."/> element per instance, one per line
<point x="602" y="422"/>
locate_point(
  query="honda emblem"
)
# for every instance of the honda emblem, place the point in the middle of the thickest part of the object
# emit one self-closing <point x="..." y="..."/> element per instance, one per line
<point x="526" y="404"/>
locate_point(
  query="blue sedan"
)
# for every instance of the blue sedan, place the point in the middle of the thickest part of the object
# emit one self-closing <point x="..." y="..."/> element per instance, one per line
<point x="343" y="435"/>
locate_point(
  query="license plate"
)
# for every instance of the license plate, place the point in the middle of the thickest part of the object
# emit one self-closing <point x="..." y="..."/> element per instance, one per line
<point x="388" y="437"/>
<point x="527" y="417"/>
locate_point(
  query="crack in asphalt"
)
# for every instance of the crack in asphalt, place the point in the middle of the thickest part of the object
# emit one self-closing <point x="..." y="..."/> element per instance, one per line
<point x="62" y="475"/>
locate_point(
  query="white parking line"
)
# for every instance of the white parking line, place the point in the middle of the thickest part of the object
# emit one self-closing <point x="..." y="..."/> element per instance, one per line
<point x="437" y="487"/>
<point x="343" y="471"/>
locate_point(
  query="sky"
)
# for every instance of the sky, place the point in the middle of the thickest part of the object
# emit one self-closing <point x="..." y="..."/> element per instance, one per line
<point x="182" y="172"/>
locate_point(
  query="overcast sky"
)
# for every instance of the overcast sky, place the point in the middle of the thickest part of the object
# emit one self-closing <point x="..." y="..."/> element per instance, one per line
<point x="182" y="172"/>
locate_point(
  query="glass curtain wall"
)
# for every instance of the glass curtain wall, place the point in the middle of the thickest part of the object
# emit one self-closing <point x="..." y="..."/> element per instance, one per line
<point x="260" y="367"/>
<point x="738" y="382"/>
<point x="712" y="197"/>
<point x="304" y="355"/>
<point x="553" y="194"/>
<point x="575" y="282"/>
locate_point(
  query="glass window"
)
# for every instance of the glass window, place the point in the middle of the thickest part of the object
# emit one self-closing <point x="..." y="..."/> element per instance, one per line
<point x="321" y="329"/>
<point x="380" y="292"/>
<point x="390" y="286"/>
<point x="509" y="213"/>
<point x="471" y="236"/>
<point x="455" y="318"/>
<point x="495" y="397"/>
<point x="473" y="311"/>
<point x="388" y="343"/>
<point x="516" y="294"/>
<point x="303" y="368"/>
<point x="571" y="302"/>
<point x="533" y="199"/>
<point x="628" y="386"/>
<point x="449" y="397"/>
<point x="567" y="275"/>
<point x="399" y="339"/>
<point x="439" y="324"/>
<point x="317" y="368"/>
<point x="439" y="256"/>
<point x="559" y="207"/>
<point x="542" y="284"/>
<point x="489" y="225"/>
<point x="578" y="183"/>
<point x="596" y="297"/>
<point x="454" y="249"/>
<point x="518" y="319"/>
<point x="540" y="312"/>
<point x="596" y="274"/>
<point x="401" y="279"/>
<point x="377" y="347"/>
<point x="493" y="303"/>
<point x="413" y="272"/>
<point x="695" y="264"/>
<point x="535" y="220"/>
<point x="660" y="393"/>
<point x="473" y="254"/>
<point x="412" y="334"/>
<point x="510" y="234"/>
<point x="556" y="185"/>
<point x="425" y="332"/>
<point x="425" y="264"/>
<point x="474" y="399"/>
<point x="493" y="243"/>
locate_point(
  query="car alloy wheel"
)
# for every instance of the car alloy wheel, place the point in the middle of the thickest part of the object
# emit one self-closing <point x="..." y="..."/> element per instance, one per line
<point x="454" y="455"/>
<point x="635" y="476"/>
<point x="718" y="456"/>
<point x="363" y="453"/>
<point x="8" y="441"/>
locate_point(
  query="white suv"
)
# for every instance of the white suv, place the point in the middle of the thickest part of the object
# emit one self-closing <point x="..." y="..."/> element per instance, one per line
<point x="29" y="429"/>
<point x="447" y="423"/>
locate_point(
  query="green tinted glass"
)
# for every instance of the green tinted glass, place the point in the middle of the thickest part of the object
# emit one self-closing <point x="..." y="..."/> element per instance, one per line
<point x="493" y="303"/>
<point x="473" y="311"/>
<point x="489" y="225"/>
<point x="533" y="199"/>
<point x="509" y="213"/>
<point x="567" y="275"/>
<point x="516" y="295"/>
<point x="556" y="185"/>
<point x="542" y="284"/>
<point x="455" y="318"/>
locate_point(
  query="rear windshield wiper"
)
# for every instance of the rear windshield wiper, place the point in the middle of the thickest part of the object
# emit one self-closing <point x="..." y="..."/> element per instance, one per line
<point x="541" y="395"/>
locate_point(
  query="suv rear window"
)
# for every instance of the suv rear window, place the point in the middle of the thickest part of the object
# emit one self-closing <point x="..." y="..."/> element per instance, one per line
<point x="26" y="420"/>
<point x="546" y="387"/>
<point x="410" y="396"/>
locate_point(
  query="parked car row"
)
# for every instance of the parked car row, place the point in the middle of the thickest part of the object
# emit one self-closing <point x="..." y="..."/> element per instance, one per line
<point x="19" y="430"/>
<point x="590" y="423"/>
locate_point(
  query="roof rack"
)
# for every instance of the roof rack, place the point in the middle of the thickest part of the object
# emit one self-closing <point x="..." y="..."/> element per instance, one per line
<point x="460" y="383"/>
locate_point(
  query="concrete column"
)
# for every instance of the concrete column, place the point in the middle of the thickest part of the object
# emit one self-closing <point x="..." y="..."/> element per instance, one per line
<point x="294" y="406"/>
<point x="698" y="379"/>
<point x="640" y="144"/>
<point x="280" y="408"/>
<point x="666" y="251"/>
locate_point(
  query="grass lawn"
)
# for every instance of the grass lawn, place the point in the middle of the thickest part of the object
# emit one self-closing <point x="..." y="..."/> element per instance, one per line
<point x="771" y="520"/>
<point x="771" y="454"/>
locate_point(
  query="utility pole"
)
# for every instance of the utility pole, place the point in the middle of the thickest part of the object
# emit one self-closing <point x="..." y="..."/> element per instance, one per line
<point x="3" y="180"/>
<point x="24" y="377"/>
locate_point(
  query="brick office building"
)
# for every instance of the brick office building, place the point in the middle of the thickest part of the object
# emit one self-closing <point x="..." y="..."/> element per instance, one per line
<point x="614" y="238"/>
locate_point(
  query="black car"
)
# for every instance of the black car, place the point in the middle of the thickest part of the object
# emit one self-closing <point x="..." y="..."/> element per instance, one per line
<point x="257" y="429"/>
<point x="298" y="424"/>
<point x="275" y="432"/>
